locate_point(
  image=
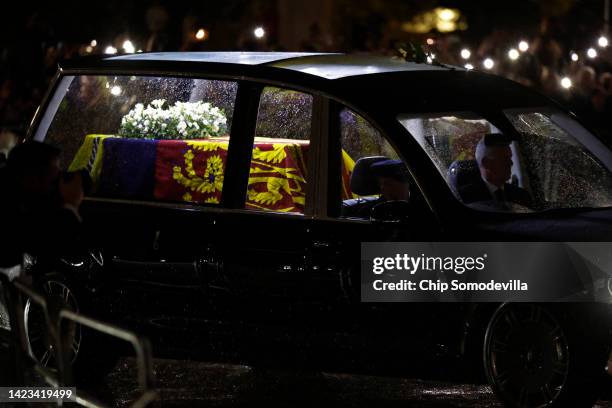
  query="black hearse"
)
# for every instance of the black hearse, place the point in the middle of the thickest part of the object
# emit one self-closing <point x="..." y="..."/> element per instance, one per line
<point x="232" y="192"/>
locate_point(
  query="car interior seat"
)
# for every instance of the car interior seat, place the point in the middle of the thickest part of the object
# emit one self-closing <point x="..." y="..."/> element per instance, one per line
<point x="362" y="183"/>
<point x="462" y="173"/>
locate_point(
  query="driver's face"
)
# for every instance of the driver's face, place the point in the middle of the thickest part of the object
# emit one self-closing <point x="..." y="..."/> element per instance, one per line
<point x="497" y="165"/>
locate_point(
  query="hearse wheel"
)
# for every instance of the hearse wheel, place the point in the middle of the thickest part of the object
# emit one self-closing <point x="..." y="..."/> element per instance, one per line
<point x="91" y="354"/>
<point x="533" y="357"/>
<point x="39" y="343"/>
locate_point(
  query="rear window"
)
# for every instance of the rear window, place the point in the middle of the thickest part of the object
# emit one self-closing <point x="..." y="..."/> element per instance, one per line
<point x="142" y="137"/>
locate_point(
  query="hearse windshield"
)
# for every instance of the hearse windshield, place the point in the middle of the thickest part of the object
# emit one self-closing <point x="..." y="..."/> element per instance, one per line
<point x="550" y="162"/>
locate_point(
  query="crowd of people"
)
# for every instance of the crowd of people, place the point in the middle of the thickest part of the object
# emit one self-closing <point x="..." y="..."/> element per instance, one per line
<point x="27" y="67"/>
<point x="580" y="83"/>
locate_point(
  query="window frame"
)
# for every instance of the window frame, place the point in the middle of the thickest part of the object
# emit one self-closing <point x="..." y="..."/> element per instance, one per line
<point x="242" y="133"/>
<point x="333" y="205"/>
<point x="314" y="148"/>
<point x="320" y="204"/>
<point x="50" y="98"/>
<point x="465" y="115"/>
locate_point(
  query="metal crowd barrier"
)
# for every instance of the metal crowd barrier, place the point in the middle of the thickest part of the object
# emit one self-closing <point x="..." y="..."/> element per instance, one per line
<point x="16" y="293"/>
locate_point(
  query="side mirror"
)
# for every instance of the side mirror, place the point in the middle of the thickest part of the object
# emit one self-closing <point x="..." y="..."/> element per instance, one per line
<point x="391" y="212"/>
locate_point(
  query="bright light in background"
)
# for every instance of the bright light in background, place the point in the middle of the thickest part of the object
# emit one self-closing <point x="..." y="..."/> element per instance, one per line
<point x="115" y="90"/>
<point x="446" y="26"/>
<point x="201" y="34"/>
<point x="465" y="53"/>
<point x="93" y="43"/>
<point x="128" y="47"/>
<point x="110" y="50"/>
<point x="430" y="41"/>
<point x="259" y="32"/>
<point x="513" y="54"/>
<point x="446" y="14"/>
<point x="469" y="66"/>
<point x="446" y="20"/>
<point x="488" y="63"/>
<point x="429" y="59"/>
<point x="433" y="56"/>
<point x="89" y="49"/>
<point x="442" y="19"/>
<point x="574" y="57"/>
<point x="603" y="42"/>
<point x="591" y="53"/>
<point x="523" y="46"/>
<point x="566" y="83"/>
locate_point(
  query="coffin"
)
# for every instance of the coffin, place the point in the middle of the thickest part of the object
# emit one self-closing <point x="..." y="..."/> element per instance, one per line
<point x="193" y="170"/>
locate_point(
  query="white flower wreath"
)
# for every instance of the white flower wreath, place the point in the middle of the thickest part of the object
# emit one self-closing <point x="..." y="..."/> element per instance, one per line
<point x="183" y="120"/>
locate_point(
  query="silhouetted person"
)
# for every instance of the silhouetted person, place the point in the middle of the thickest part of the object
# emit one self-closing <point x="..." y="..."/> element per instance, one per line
<point x="392" y="177"/>
<point x="494" y="158"/>
<point x="40" y="205"/>
<point x="393" y="185"/>
<point x="157" y="21"/>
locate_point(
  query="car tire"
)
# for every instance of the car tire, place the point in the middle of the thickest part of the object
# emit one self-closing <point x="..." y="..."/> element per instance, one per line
<point x="544" y="356"/>
<point x="92" y="354"/>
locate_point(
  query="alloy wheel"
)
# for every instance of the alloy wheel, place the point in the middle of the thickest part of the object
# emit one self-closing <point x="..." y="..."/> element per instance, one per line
<point x="526" y="355"/>
<point x="40" y="346"/>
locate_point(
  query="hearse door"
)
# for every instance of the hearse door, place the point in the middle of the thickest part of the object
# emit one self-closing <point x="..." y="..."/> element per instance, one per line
<point x="265" y="271"/>
<point x="359" y="159"/>
<point x="149" y="253"/>
<point x="364" y="332"/>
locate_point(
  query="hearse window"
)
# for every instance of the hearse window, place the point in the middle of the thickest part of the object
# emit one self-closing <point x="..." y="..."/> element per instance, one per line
<point x="142" y="137"/>
<point x="462" y="145"/>
<point x="278" y="174"/>
<point x="549" y="162"/>
<point x="372" y="171"/>
<point x="567" y="165"/>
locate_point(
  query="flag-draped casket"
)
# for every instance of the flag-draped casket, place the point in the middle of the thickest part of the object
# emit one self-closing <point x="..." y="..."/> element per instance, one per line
<point x="193" y="170"/>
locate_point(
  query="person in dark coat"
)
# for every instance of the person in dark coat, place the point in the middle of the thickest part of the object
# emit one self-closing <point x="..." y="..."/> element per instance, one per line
<point x="494" y="158"/>
<point x="39" y="205"/>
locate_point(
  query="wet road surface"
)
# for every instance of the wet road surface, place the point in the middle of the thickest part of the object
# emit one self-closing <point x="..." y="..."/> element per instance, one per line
<point x="187" y="384"/>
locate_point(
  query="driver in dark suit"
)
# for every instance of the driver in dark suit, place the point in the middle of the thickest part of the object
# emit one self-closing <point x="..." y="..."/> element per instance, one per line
<point x="494" y="159"/>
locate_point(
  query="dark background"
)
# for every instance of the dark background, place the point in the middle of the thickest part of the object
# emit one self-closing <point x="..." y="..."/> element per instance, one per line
<point x="33" y="37"/>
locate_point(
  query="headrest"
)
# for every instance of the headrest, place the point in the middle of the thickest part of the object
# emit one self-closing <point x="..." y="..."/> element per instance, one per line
<point x="363" y="181"/>
<point x="394" y="169"/>
<point x="462" y="172"/>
